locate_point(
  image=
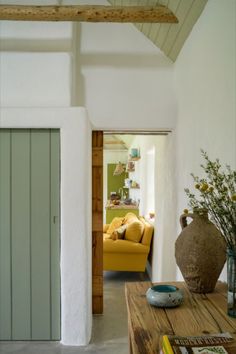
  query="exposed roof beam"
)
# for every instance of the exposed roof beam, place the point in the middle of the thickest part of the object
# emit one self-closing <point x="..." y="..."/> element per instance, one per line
<point x="85" y="13"/>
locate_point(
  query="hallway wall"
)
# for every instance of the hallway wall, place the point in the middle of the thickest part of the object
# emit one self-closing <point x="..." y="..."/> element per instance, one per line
<point x="206" y="94"/>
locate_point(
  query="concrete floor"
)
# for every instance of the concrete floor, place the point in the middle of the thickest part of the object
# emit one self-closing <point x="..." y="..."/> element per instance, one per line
<point x="110" y="330"/>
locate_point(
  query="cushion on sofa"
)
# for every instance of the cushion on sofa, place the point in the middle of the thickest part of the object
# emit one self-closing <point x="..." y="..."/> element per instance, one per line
<point x="116" y="222"/>
<point x="106" y="236"/>
<point x="105" y="227"/>
<point x="119" y="233"/>
<point x="130" y="217"/>
<point x="134" y="231"/>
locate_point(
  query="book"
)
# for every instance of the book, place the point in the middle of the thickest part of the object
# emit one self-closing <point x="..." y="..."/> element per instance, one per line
<point x="220" y="343"/>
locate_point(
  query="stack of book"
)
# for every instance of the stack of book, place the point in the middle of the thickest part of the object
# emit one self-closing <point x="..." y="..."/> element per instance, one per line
<point x="220" y="343"/>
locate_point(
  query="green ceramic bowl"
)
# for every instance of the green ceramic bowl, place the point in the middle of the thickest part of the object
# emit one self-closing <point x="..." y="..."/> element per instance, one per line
<point x="164" y="296"/>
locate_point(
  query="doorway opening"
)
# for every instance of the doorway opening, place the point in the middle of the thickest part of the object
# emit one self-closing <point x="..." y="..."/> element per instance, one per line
<point x="131" y="168"/>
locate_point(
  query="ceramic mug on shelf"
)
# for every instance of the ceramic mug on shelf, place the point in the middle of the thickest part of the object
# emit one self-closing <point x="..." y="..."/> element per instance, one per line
<point x="134" y="152"/>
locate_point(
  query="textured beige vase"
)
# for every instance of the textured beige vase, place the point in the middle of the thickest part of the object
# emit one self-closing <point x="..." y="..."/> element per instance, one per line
<point x="200" y="252"/>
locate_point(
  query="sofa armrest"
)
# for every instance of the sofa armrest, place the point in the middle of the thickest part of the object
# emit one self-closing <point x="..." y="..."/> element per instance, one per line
<point x="148" y="234"/>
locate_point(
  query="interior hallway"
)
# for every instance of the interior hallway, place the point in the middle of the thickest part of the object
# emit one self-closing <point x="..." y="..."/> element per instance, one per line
<point x="110" y="330"/>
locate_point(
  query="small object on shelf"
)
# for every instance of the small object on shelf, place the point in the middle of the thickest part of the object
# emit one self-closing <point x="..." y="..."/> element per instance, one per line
<point x="164" y="296"/>
<point x="134" y="185"/>
<point x="130" y="166"/>
<point x="128" y="201"/>
<point x="134" y="152"/>
<point x="114" y="196"/>
<point x="119" y="169"/>
<point x="128" y="182"/>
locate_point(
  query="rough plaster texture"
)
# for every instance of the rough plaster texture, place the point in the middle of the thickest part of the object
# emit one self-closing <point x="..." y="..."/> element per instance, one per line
<point x="205" y="73"/>
<point x="75" y="133"/>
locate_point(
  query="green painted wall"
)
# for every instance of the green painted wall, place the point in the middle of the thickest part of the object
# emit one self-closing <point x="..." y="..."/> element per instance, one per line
<point x="114" y="182"/>
<point x="29" y="234"/>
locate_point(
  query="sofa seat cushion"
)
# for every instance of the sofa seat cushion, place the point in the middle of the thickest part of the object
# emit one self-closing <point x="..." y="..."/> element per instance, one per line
<point x="123" y="246"/>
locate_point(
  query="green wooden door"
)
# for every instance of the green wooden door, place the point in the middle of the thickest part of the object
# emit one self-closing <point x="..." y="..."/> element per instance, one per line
<point x="29" y="234"/>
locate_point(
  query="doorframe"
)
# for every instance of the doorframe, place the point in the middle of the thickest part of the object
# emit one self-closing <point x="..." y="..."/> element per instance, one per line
<point x="99" y="250"/>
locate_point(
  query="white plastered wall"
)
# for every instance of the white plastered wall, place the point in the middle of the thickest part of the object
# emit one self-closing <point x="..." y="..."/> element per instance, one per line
<point x="76" y="245"/>
<point x="163" y="267"/>
<point x="205" y="85"/>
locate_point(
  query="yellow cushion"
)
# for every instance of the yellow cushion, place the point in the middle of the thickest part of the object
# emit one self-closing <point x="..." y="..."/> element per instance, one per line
<point x="119" y="233"/>
<point x="129" y="217"/>
<point x="134" y="231"/>
<point x="116" y="222"/>
<point x="105" y="227"/>
<point x="106" y="236"/>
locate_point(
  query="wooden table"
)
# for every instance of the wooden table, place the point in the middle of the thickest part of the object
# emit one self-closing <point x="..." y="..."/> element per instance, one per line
<point x="199" y="314"/>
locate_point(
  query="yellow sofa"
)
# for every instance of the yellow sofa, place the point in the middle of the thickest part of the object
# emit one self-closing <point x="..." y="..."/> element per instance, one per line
<point x="126" y="255"/>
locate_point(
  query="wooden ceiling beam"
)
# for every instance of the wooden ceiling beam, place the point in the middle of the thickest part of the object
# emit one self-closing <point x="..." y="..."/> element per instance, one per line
<point x="85" y="13"/>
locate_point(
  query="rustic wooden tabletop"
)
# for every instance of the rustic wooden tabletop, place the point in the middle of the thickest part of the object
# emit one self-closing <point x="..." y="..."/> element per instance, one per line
<point x="199" y="314"/>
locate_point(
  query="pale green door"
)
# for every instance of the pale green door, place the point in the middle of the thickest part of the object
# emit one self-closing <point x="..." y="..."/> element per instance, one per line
<point x="29" y="234"/>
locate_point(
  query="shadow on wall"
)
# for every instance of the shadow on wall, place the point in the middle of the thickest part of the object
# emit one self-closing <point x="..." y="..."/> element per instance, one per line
<point x="70" y="46"/>
<point x="77" y="79"/>
<point x="125" y="60"/>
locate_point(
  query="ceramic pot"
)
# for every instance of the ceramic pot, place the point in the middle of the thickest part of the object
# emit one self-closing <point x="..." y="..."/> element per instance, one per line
<point x="164" y="296"/>
<point x="200" y="252"/>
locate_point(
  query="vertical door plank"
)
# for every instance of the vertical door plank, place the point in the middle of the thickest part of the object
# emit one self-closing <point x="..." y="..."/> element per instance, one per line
<point x="20" y="218"/>
<point x="5" y="236"/>
<point x="55" y="234"/>
<point x="40" y="237"/>
<point x="97" y="215"/>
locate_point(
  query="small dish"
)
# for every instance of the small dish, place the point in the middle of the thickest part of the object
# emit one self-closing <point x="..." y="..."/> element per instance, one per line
<point x="164" y="296"/>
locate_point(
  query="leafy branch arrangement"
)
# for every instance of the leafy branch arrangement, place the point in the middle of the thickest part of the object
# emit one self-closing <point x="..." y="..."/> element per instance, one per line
<point x="217" y="194"/>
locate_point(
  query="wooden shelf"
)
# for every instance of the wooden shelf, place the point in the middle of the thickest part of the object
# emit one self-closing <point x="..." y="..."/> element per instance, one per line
<point x="134" y="158"/>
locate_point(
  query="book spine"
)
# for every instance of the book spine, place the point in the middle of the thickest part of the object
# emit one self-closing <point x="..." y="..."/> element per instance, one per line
<point x="166" y="345"/>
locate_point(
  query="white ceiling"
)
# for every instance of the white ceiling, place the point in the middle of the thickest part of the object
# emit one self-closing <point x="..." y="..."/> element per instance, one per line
<point x="169" y="38"/>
